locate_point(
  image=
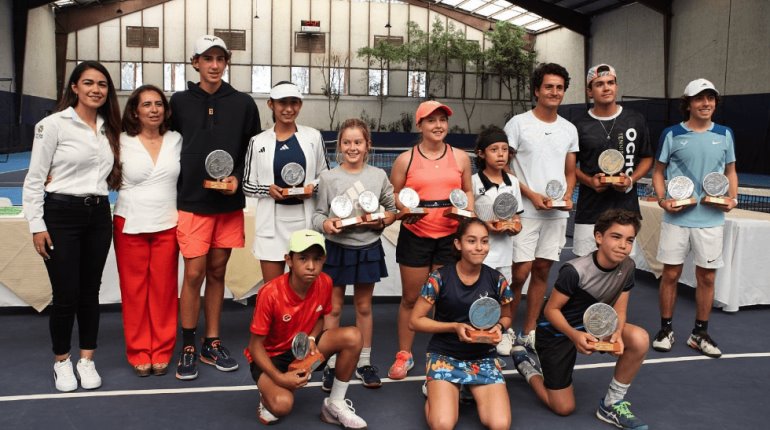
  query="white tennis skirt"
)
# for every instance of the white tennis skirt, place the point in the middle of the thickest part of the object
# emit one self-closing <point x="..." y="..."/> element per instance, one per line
<point x="288" y="219"/>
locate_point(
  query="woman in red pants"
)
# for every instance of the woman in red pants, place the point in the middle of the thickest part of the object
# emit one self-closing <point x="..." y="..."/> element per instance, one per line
<point x="145" y="231"/>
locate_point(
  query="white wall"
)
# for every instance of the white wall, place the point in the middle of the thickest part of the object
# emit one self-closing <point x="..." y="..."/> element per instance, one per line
<point x="6" y="46"/>
<point x="566" y="48"/>
<point x="39" y="64"/>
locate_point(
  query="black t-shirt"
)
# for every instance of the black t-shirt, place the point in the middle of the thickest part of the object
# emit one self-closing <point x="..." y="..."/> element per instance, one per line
<point x="628" y="134"/>
<point x="452" y="300"/>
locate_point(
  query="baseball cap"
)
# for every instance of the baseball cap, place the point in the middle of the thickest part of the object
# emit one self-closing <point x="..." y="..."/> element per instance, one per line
<point x="427" y="108"/>
<point x="598" y="71"/>
<point x="301" y="240"/>
<point x="206" y="42"/>
<point x="285" y="90"/>
<point x="698" y="86"/>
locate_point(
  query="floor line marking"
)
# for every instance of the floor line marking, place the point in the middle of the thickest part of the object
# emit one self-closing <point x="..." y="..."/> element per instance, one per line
<point x="118" y="393"/>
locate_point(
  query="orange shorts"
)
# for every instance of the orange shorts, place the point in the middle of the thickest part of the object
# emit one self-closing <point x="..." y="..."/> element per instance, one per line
<point x="198" y="233"/>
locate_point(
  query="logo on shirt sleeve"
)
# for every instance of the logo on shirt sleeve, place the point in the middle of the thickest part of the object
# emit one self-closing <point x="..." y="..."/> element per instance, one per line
<point x="319" y="308"/>
<point x="286" y="318"/>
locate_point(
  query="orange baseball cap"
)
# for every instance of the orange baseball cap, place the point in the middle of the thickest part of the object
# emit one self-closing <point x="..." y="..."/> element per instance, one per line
<point x="428" y="107"/>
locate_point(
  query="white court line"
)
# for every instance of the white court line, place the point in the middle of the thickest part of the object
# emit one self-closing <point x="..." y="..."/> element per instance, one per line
<point x="118" y="393"/>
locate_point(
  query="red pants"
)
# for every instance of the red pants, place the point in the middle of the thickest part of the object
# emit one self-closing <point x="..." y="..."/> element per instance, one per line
<point x="148" y="269"/>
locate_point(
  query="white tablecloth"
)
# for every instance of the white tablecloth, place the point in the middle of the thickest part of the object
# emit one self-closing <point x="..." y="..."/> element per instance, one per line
<point x="745" y="278"/>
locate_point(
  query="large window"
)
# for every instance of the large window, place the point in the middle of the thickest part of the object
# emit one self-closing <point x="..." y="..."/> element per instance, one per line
<point x="142" y="37"/>
<point x="301" y="78"/>
<point x="173" y="77"/>
<point x="378" y="82"/>
<point x="130" y="76"/>
<point x="260" y="79"/>
<point x="337" y="80"/>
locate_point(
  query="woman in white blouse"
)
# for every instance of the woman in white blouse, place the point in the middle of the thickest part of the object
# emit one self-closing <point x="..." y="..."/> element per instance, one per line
<point x="145" y="230"/>
<point x="75" y="160"/>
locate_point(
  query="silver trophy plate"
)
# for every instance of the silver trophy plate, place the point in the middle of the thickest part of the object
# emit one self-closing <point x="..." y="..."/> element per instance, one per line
<point x="600" y="320"/>
<point x="368" y="201"/>
<point x="219" y="164"/>
<point x="409" y="197"/>
<point x="554" y="189"/>
<point x="484" y="313"/>
<point x="342" y="206"/>
<point x="716" y="184"/>
<point x="611" y="161"/>
<point x="483" y="208"/>
<point x="680" y="187"/>
<point x="458" y="198"/>
<point x="505" y="206"/>
<point x="293" y="174"/>
<point x="300" y="345"/>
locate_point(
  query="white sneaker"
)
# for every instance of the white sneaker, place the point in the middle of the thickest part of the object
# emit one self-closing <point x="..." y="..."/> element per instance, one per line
<point x="527" y="341"/>
<point x="64" y="376"/>
<point x="505" y="345"/>
<point x="89" y="377"/>
<point x="265" y="417"/>
<point x="664" y="340"/>
<point x="345" y="416"/>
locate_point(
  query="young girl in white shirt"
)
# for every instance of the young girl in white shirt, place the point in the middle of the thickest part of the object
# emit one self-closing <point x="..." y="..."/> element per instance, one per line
<point x="75" y="161"/>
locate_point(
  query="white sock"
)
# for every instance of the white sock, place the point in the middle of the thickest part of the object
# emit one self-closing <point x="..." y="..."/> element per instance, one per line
<point x="365" y="358"/>
<point x="616" y="392"/>
<point x="332" y="361"/>
<point x="339" y="389"/>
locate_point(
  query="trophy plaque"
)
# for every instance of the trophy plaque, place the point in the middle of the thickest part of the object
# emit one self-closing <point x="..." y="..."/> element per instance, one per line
<point x="293" y="174"/>
<point x="611" y="162"/>
<point x="219" y="165"/>
<point x="680" y="189"/>
<point x="300" y="348"/>
<point x="554" y="189"/>
<point x="505" y="207"/>
<point x="459" y="201"/>
<point x="411" y="200"/>
<point x="716" y="185"/>
<point x="483" y="315"/>
<point x="370" y="204"/>
<point x="600" y="321"/>
<point x="342" y="207"/>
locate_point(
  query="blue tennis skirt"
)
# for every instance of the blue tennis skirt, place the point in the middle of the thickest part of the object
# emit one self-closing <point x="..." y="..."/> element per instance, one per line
<point x="484" y="371"/>
<point x="351" y="265"/>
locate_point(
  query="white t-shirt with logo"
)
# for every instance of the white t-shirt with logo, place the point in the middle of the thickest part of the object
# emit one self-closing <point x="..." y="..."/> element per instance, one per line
<point x="541" y="150"/>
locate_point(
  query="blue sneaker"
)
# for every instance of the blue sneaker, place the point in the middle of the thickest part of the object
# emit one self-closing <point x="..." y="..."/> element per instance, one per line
<point x="328" y="379"/>
<point x="369" y="376"/>
<point x="187" y="368"/>
<point x="217" y="355"/>
<point x="619" y="415"/>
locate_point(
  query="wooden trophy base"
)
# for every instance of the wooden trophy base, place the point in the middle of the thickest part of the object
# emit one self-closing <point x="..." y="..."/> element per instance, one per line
<point x="606" y="346"/>
<point x="458" y="214"/>
<point x="483" y="336"/>
<point x="218" y="185"/>
<point x="510" y="225"/>
<point x="684" y="202"/>
<point x="298" y="192"/>
<point x="716" y="201"/>
<point x="411" y="215"/>
<point x="556" y="204"/>
<point x="309" y="363"/>
<point x="612" y="179"/>
<point x="374" y="216"/>
<point x="348" y="222"/>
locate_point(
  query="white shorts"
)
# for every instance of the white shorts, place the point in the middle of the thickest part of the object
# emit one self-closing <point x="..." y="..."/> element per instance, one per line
<point x="676" y="242"/>
<point x="506" y="271"/>
<point x="540" y="238"/>
<point x="288" y="219"/>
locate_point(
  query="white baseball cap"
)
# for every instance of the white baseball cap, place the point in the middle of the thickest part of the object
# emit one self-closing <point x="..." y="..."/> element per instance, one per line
<point x="285" y="90"/>
<point x="206" y="42"/>
<point x="600" y="70"/>
<point x="698" y="86"/>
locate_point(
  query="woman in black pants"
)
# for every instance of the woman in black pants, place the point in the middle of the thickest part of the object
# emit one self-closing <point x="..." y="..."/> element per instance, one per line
<point x="75" y="160"/>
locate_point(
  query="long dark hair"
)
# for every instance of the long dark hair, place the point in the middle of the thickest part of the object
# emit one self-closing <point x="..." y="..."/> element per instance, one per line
<point x="131" y="124"/>
<point x="110" y="112"/>
<point x="461" y="229"/>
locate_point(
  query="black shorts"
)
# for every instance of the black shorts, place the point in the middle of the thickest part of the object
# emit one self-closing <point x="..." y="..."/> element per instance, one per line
<point x="281" y="362"/>
<point x="557" y="356"/>
<point x="416" y="251"/>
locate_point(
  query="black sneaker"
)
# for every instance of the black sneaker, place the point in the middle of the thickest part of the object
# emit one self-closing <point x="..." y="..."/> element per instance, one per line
<point x="328" y="379"/>
<point x="187" y="368"/>
<point x="368" y="374"/>
<point x="217" y="355"/>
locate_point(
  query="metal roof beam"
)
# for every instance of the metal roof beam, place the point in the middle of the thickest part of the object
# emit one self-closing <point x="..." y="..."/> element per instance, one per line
<point x="567" y="18"/>
<point x="661" y="6"/>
